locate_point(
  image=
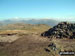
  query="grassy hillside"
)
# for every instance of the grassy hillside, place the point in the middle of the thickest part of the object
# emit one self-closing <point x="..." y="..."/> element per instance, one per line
<point x="19" y="40"/>
<point x="24" y="28"/>
<point x="25" y="40"/>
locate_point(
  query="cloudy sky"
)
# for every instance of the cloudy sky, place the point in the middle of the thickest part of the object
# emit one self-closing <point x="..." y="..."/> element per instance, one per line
<point x="56" y="9"/>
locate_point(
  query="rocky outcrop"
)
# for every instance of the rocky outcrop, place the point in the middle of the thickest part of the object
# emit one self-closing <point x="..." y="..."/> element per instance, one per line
<point x="62" y="30"/>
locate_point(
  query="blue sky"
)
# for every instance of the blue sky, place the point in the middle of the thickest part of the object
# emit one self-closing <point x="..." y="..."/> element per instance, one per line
<point x="64" y="9"/>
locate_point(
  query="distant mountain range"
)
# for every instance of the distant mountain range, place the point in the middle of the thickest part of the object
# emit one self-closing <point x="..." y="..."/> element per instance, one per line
<point x="50" y="22"/>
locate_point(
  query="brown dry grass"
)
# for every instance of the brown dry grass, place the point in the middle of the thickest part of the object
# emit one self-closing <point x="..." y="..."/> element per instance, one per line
<point x="27" y="45"/>
<point x="26" y="42"/>
<point x="65" y="44"/>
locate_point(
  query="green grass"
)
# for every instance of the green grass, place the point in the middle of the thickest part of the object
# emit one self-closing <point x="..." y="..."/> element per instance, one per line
<point x="3" y="53"/>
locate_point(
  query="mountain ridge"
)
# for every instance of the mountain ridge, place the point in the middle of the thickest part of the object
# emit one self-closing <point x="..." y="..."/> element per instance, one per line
<point x="50" y="22"/>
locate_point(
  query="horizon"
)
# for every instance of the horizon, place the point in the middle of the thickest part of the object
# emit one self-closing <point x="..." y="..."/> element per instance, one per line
<point x="31" y="9"/>
<point x="55" y="19"/>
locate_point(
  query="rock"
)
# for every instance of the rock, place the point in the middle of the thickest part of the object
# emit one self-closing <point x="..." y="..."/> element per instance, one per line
<point x="47" y="50"/>
<point x="62" y="30"/>
<point x="52" y="46"/>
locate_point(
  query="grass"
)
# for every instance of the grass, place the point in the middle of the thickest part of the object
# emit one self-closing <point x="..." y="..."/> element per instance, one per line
<point x="23" y="28"/>
<point x="30" y="43"/>
<point x="3" y="53"/>
<point x="65" y="44"/>
<point x="27" y="46"/>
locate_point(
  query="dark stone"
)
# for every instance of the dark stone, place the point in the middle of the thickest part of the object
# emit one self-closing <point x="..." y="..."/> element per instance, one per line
<point x="62" y="30"/>
<point x="52" y="44"/>
<point x="47" y="50"/>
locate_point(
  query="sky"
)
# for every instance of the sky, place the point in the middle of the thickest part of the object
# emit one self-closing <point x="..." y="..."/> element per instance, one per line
<point x="56" y="9"/>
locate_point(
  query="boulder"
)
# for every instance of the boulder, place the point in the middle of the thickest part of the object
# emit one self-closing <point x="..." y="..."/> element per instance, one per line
<point x="62" y="30"/>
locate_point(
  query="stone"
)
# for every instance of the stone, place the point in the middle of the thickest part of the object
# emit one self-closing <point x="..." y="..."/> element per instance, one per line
<point x="62" y="30"/>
